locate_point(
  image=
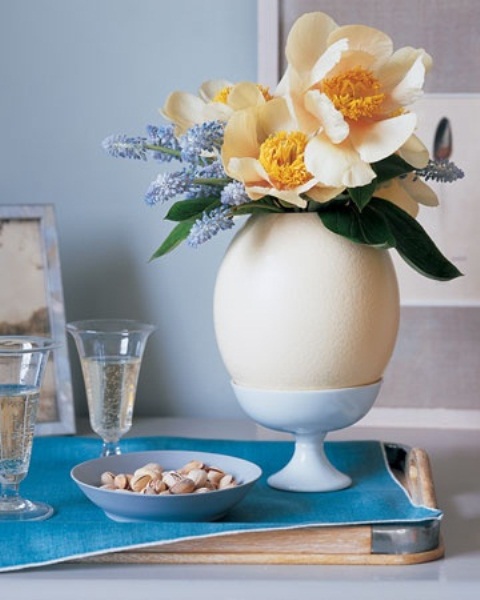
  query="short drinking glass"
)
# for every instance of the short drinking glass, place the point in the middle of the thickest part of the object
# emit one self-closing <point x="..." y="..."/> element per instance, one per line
<point x="22" y="366"/>
<point x="110" y="353"/>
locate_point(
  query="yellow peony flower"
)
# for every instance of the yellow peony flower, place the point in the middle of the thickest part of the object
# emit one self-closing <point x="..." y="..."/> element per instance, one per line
<point x="349" y="90"/>
<point x="264" y="148"/>
<point x="216" y="100"/>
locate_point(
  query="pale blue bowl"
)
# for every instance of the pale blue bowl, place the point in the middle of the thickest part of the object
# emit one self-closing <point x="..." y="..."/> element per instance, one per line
<point x="132" y="507"/>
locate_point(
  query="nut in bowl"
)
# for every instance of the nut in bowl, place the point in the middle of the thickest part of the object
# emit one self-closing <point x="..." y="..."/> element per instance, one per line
<point x="166" y="485"/>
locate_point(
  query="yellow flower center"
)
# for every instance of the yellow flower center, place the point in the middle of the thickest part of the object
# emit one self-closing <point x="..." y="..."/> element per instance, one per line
<point x="222" y="95"/>
<point x="355" y="93"/>
<point x="265" y="92"/>
<point x="282" y="157"/>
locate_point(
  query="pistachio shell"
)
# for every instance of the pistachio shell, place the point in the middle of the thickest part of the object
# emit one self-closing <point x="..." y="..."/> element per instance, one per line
<point x="107" y="477"/>
<point x="198" y="476"/>
<point x="193" y="464"/>
<point x="121" y="481"/>
<point x="171" y="478"/>
<point x="184" y="486"/>
<point x="215" y="475"/>
<point x="226" y="481"/>
<point x="140" y="482"/>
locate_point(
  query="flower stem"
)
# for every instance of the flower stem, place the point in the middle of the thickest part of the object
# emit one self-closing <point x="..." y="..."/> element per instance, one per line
<point x="163" y="149"/>
<point x="210" y="181"/>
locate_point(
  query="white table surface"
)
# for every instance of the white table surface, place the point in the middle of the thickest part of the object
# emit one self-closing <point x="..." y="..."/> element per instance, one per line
<point x="455" y="460"/>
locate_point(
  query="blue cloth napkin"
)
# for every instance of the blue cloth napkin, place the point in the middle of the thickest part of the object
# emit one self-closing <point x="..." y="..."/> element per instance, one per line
<point x="80" y="529"/>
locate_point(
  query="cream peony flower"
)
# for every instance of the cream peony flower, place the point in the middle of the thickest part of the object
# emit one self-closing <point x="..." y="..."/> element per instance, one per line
<point x="264" y="149"/>
<point x="349" y="90"/>
<point x="216" y="100"/>
<point x="407" y="192"/>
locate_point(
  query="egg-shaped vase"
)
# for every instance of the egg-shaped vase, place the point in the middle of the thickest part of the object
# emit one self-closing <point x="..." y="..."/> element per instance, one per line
<point x="297" y="307"/>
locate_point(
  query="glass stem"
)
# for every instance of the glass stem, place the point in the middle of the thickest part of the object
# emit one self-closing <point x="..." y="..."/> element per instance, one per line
<point x="110" y="448"/>
<point x="9" y="490"/>
<point x="9" y="496"/>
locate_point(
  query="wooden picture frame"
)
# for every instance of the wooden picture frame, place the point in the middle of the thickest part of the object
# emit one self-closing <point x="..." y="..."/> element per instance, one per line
<point x="31" y="302"/>
<point x="434" y="375"/>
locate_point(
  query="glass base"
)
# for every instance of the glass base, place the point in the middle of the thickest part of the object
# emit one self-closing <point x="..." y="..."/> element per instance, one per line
<point x="24" y="510"/>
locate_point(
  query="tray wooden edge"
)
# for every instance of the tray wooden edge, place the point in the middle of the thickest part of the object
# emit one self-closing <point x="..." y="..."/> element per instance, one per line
<point x="262" y="558"/>
<point x="346" y="545"/>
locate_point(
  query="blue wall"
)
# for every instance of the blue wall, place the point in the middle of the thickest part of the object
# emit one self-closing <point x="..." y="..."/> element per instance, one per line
<point x="73" y="72"/>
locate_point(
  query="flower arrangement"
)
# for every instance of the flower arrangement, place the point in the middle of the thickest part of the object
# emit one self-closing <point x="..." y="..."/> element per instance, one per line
<point x="336" y="137"/>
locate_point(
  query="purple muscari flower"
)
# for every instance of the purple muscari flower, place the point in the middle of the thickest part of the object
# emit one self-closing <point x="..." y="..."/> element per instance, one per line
<point x="209" y="225"/>
<point x="166" y="186"/>
<point x="234" y="194"/>
<point x="212" y="171"/>
<point x="442" y="170"/>
<point x="202" y="191"/>
<point x="163" y="136"/>
<point x="122" y="146"/>
<point x="201" y="139"/>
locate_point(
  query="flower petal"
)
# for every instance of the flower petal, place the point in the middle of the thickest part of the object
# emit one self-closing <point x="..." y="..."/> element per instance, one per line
<point x="240" y="137"/>
<point x="419" y="190"/>
<point x="395" y="193"/>
<point x="409" y="89"/>
<point x="245" y="94"/>
<point x="336" y="165"/>
<point x="322" y="108"/>
<point x="291" y="196"/>
<point x="209" y="89"/>
<point x="274" y="116"/>
<point x="327" y="61"/>
<point x="407" y="192"/>
<point x="415" y="152"/>
<point x="382" y="138"/>
<point x="393" y="71"/>
<point x="216" y="111"/>
<point x="255" y="192"/>
<point x="307" y="40"/>
<point x="183" y="109"/>
<point x="366" y="39"/>
<point x="246" y="169"/>
<point x="323" y="193"/>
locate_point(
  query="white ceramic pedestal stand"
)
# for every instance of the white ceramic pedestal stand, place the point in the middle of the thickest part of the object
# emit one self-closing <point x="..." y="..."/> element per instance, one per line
<point x="309" y="415"/>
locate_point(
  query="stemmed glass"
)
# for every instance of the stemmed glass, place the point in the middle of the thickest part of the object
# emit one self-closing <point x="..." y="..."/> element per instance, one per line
<point x="22" y="366"/>
<point x="110" y="352"/>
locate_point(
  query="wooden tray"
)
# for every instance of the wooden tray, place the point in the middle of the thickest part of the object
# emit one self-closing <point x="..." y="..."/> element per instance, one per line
<point x="360" y="545"/>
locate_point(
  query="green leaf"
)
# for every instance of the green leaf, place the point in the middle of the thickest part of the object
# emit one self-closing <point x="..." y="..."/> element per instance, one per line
<point x="361" y="195"/>
<point x="391" y="167"/>
<point x="366" y="227"/>
<point x="177" y="235"/>
<point x="187" y="209"/>
<point x="256" y="207"/>
<point x="375" y="229"/>
<point x="342" y="219"/>
<point x="413" y="243"/>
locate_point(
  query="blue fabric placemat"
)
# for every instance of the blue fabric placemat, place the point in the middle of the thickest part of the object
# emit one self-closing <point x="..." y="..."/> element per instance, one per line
<point x="79" y="529"/>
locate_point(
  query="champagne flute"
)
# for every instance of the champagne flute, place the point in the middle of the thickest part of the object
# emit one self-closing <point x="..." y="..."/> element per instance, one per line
<point x="22" y="366"/>
<point x="110" y="352"/>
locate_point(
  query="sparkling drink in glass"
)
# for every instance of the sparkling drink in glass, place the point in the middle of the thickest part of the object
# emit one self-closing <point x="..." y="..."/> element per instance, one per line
<point x="22" y="366"/>
<point x="111" y="352"/>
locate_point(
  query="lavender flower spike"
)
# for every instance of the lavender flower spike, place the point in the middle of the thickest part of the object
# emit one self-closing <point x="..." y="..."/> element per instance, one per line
<point x="166" y="186"/>
<point x="444" y="171"/>
<point x="163" y="137"/>
<point x="234" y="194"/>
<point x="209" y="225"/>
<point x="201" y="139"/>
<point x="122" y="146"/>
